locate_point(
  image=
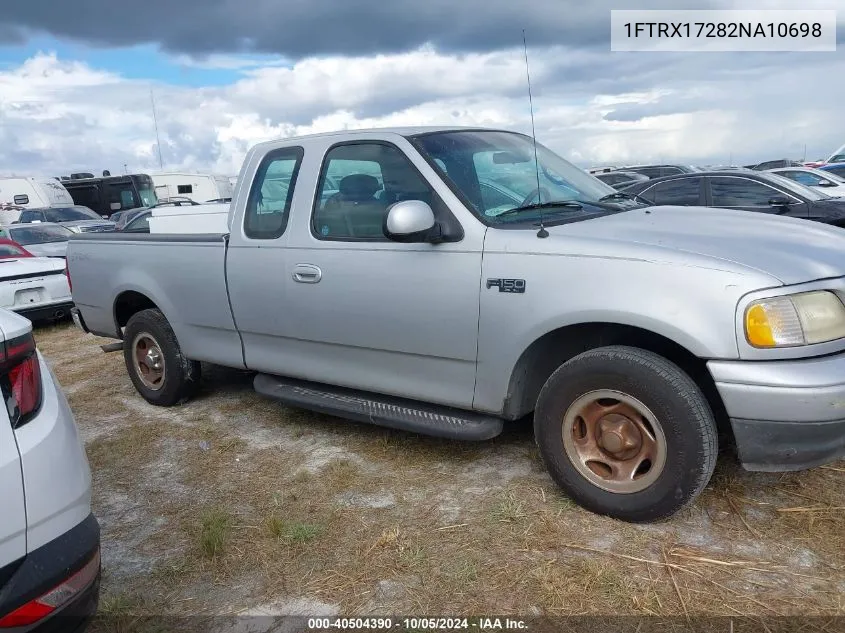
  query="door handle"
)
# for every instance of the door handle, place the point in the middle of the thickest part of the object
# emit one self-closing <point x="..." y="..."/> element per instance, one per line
<point x="307" y="273"/>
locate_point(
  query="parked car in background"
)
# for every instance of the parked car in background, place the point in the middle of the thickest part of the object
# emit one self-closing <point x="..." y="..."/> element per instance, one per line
<point x="77" y="218"/>
<point x="42" y="240"/>
<point x="10" y="249"/>
<point x="631" y="332"/>
<point x="108" y="194"/>
<point x="759" y="191"/>
<point x="774" y="164"/>
<point x="658" y="171"/>
<point x="36" y="287"/>
<point x="834" y="168"/>
<point x="830" y="183"/>
<point x="196" y="186"/>
<point x="49" y="539"/>
<point x="31" y="193"/>
<point x="619" y="179"/>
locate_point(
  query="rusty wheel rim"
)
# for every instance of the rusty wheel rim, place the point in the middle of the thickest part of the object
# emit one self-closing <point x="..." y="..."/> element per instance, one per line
<point x="149" y="361"/>
<point x="614" y="441"/>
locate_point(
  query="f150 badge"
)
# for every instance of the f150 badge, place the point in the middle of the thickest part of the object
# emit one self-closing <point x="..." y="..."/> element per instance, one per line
<point x="507" y="285"/>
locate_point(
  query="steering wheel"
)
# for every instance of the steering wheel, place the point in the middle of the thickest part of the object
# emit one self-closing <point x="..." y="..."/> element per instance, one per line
<point x="538" y="192"/>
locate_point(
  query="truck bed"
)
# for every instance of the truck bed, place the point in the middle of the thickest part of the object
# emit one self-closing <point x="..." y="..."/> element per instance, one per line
<point x="183" y="275"/>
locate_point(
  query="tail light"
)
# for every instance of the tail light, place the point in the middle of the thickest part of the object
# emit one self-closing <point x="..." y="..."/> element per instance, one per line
<point x="20" y="379"/>
<point x="67" y="274"/>
<point x="58" y="596"/>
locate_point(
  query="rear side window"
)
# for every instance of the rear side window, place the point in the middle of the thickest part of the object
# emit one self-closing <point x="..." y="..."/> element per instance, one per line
<point x="651" y="172"/>
<point x="184" y="189"/>
<point x="682" y="192"/>
<point x="268" y="206"/>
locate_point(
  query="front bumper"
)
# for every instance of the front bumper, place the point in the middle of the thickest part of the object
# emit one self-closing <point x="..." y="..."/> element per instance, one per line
<point x="785" y="415"/>
<point x="49" y="566"/>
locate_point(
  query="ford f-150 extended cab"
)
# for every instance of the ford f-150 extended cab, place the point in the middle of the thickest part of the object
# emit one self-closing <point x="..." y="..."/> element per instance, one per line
<point x="445" y="281"/>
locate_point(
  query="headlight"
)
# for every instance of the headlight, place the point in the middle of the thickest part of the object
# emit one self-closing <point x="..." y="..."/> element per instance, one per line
<point x="800" y="319"/>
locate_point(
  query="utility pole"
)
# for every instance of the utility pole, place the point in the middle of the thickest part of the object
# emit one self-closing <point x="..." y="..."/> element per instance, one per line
<point x="155" y="122"/>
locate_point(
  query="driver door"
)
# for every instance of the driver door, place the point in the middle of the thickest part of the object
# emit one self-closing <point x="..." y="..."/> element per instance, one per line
<point x="370" y="313"/>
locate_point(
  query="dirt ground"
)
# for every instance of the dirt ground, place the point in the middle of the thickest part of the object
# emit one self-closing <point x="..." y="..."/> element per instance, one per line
<point x="233" y="504"/>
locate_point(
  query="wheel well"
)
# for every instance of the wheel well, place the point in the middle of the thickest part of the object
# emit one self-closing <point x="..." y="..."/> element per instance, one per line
<point x="128" y="304"/>
<point x="551" y="350"/>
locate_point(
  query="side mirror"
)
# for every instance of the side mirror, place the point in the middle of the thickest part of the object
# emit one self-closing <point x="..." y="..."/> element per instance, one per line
<point x="411" y="221"/>
<point x="779" y="201"/>
<point x="826" y="183"/>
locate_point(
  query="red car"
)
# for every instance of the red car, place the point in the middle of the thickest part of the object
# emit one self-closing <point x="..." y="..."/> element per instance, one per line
<point x="10" y="249"/>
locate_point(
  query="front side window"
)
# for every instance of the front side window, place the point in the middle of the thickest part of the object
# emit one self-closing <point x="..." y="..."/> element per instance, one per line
<point x="473" y="162"/>
<point x="268" y="206"/>
<point x="682" y="192"/>
<point x="741" y="192"/>
<point x="121" y="196"/>
<point x="369" y="177"/>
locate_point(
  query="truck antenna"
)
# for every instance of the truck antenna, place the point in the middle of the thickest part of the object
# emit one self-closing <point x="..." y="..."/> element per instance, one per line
<point x="542" y="232"/>
<point x="155" y="122"/>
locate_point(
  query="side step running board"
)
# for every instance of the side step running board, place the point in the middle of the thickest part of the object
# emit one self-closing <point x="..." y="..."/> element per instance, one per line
<point x="397" y="413"/>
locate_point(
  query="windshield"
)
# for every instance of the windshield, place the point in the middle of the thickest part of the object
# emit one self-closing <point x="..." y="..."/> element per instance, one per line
<point x="495" y="173"/>
<point x="147" y="194"/>
<point x="35" y="234"/>
<point x="797" y="188"/>
<point x="68" y="214"/>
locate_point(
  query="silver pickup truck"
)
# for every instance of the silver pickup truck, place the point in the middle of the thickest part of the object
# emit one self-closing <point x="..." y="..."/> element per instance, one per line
<point x="445" y="281"/>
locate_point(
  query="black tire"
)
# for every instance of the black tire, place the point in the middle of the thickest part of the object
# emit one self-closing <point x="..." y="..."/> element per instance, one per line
<point x="680" y="408"/>
<point x="180" y="375"/>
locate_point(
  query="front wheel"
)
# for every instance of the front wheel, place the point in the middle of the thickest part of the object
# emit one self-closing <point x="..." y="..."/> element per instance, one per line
<point x="626" y="433"/>
<point x="154" y="360"/>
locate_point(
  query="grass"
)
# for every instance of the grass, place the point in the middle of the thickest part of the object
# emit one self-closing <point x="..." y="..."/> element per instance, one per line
<point x="292" y="532"/>
<point x="476" y="528"/>
<point x="215" y="527"/>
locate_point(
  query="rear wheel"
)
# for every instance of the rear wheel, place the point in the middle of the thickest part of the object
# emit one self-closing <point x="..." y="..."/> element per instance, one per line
<point x="626" y="433"/>
<point x="154" y="360"/>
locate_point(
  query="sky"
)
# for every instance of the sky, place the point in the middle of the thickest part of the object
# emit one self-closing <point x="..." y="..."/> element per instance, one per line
<point x="79" y="81"/>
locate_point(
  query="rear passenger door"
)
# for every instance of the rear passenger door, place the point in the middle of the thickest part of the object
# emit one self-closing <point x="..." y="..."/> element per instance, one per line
<point x="746" y="194"/>
<point x="682" y="192"/>
<point x="12" y="509"/>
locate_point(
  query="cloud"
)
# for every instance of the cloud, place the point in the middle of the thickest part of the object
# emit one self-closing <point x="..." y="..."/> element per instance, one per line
<point x="59" y="116"/>
<point x="305" y="28"/>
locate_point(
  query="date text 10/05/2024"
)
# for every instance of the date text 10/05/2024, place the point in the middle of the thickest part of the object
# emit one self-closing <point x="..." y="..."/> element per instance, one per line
<point x="416" y="624"/>
<point x="723" y="29"/>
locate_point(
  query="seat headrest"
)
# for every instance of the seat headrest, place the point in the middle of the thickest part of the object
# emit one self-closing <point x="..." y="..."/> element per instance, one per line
<point x="359" y="186"/>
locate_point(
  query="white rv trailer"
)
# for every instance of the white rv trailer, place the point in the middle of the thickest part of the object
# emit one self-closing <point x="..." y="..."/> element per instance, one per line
<point x="195" y="186"/>
<point x="17" y="193"/>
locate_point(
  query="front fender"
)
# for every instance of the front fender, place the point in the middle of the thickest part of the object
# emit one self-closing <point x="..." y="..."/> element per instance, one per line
<point x="694" y="307"/>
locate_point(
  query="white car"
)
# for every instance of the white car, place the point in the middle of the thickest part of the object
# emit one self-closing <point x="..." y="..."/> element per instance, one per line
<point x="49" y="539"/>
<point x="829" y="183"/>
<point x="42" y="240"/>
<point x="34" y="287"/>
